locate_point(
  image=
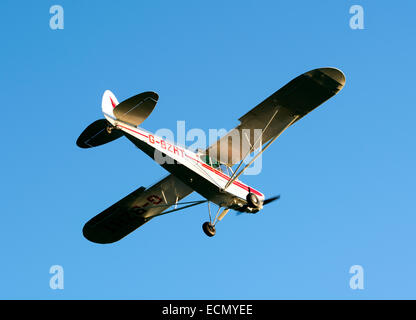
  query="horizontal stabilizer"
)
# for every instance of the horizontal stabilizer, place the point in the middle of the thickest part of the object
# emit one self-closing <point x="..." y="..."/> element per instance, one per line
<point x="97" y="134"/>
<point x="136" y="109"/>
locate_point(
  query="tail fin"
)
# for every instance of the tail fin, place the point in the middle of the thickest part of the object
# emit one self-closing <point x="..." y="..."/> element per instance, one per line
<point x="133" y="111"/>
<point x="108" y="103"/>
<point x="100" y="132"/>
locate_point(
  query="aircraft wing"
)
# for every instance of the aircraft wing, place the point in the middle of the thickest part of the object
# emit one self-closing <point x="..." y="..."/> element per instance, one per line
<point x="292" y="102"/>
<point x="134" y="210"/>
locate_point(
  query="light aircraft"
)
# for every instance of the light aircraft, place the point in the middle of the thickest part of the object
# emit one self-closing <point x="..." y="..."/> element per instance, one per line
<point x="210" y="172"/>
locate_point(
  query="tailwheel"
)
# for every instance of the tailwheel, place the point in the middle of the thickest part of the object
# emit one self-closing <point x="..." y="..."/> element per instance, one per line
<point x="209" y="229"/>
<point x="109" y="128"/>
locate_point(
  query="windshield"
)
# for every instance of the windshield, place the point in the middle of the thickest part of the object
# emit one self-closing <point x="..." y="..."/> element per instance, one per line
<point x="214" y="163"/>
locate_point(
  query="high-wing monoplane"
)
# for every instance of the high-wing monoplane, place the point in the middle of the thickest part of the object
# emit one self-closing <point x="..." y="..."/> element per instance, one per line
<point x="213" y="173"/>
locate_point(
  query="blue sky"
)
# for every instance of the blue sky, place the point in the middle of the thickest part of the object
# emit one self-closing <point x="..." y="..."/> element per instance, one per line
<point x="345" y="172"/>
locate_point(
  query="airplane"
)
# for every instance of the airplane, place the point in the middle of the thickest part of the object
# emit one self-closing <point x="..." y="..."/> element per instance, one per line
<point x="212" y="173"/>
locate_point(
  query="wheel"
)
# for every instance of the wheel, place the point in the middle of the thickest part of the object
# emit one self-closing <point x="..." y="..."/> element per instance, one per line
<point x="209" y="229"/>
<point x="109" y="129"/>
<point x="253" y="201"/>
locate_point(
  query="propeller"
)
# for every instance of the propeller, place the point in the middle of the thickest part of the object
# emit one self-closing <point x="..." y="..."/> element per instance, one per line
<point x="267" y="201"/>
<point x="271" y="199"/>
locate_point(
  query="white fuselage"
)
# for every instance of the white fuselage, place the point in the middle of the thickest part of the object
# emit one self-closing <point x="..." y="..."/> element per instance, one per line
<point x="188" y="167"/>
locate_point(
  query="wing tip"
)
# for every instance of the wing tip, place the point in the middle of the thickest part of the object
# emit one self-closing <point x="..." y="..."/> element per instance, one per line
<point x="335" y="74"/>
<point x="95" y="237"/>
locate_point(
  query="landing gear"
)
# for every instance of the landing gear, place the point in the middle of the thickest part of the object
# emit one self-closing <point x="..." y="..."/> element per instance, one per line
<point x="209" y="229"/>
<point x="209" y="226"/>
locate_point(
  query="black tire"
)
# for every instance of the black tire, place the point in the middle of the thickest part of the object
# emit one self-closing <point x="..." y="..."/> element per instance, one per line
<point x="209" y="229"/>
<point x="253" y="201"/>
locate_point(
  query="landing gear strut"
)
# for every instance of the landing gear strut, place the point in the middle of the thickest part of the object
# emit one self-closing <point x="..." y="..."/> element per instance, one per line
<point x="209" y="226"/>
<point x="209" y="229"/>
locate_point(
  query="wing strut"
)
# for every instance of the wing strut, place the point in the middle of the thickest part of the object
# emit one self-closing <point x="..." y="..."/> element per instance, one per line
<point x="236" y="175"/>
<point x="189" y="204"/>
<point x="251" y="148"/>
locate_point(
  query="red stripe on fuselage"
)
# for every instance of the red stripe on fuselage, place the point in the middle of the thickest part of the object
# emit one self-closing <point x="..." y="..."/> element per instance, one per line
<point x="134" y="131"/>
<point x="222" y="175"/>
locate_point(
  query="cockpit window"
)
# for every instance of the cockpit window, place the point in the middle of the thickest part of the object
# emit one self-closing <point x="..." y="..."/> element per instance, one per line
<point x="224" y="169"/>
<point x="205" y="158"/>
<point x="214" y="163"/>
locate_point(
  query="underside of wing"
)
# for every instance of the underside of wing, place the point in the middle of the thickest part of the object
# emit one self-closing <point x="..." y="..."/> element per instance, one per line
<point x="272" y="116"/>
<point x="96" y="134"/>
<point x="134" y="210"/>
<point x="136" y="109"/>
